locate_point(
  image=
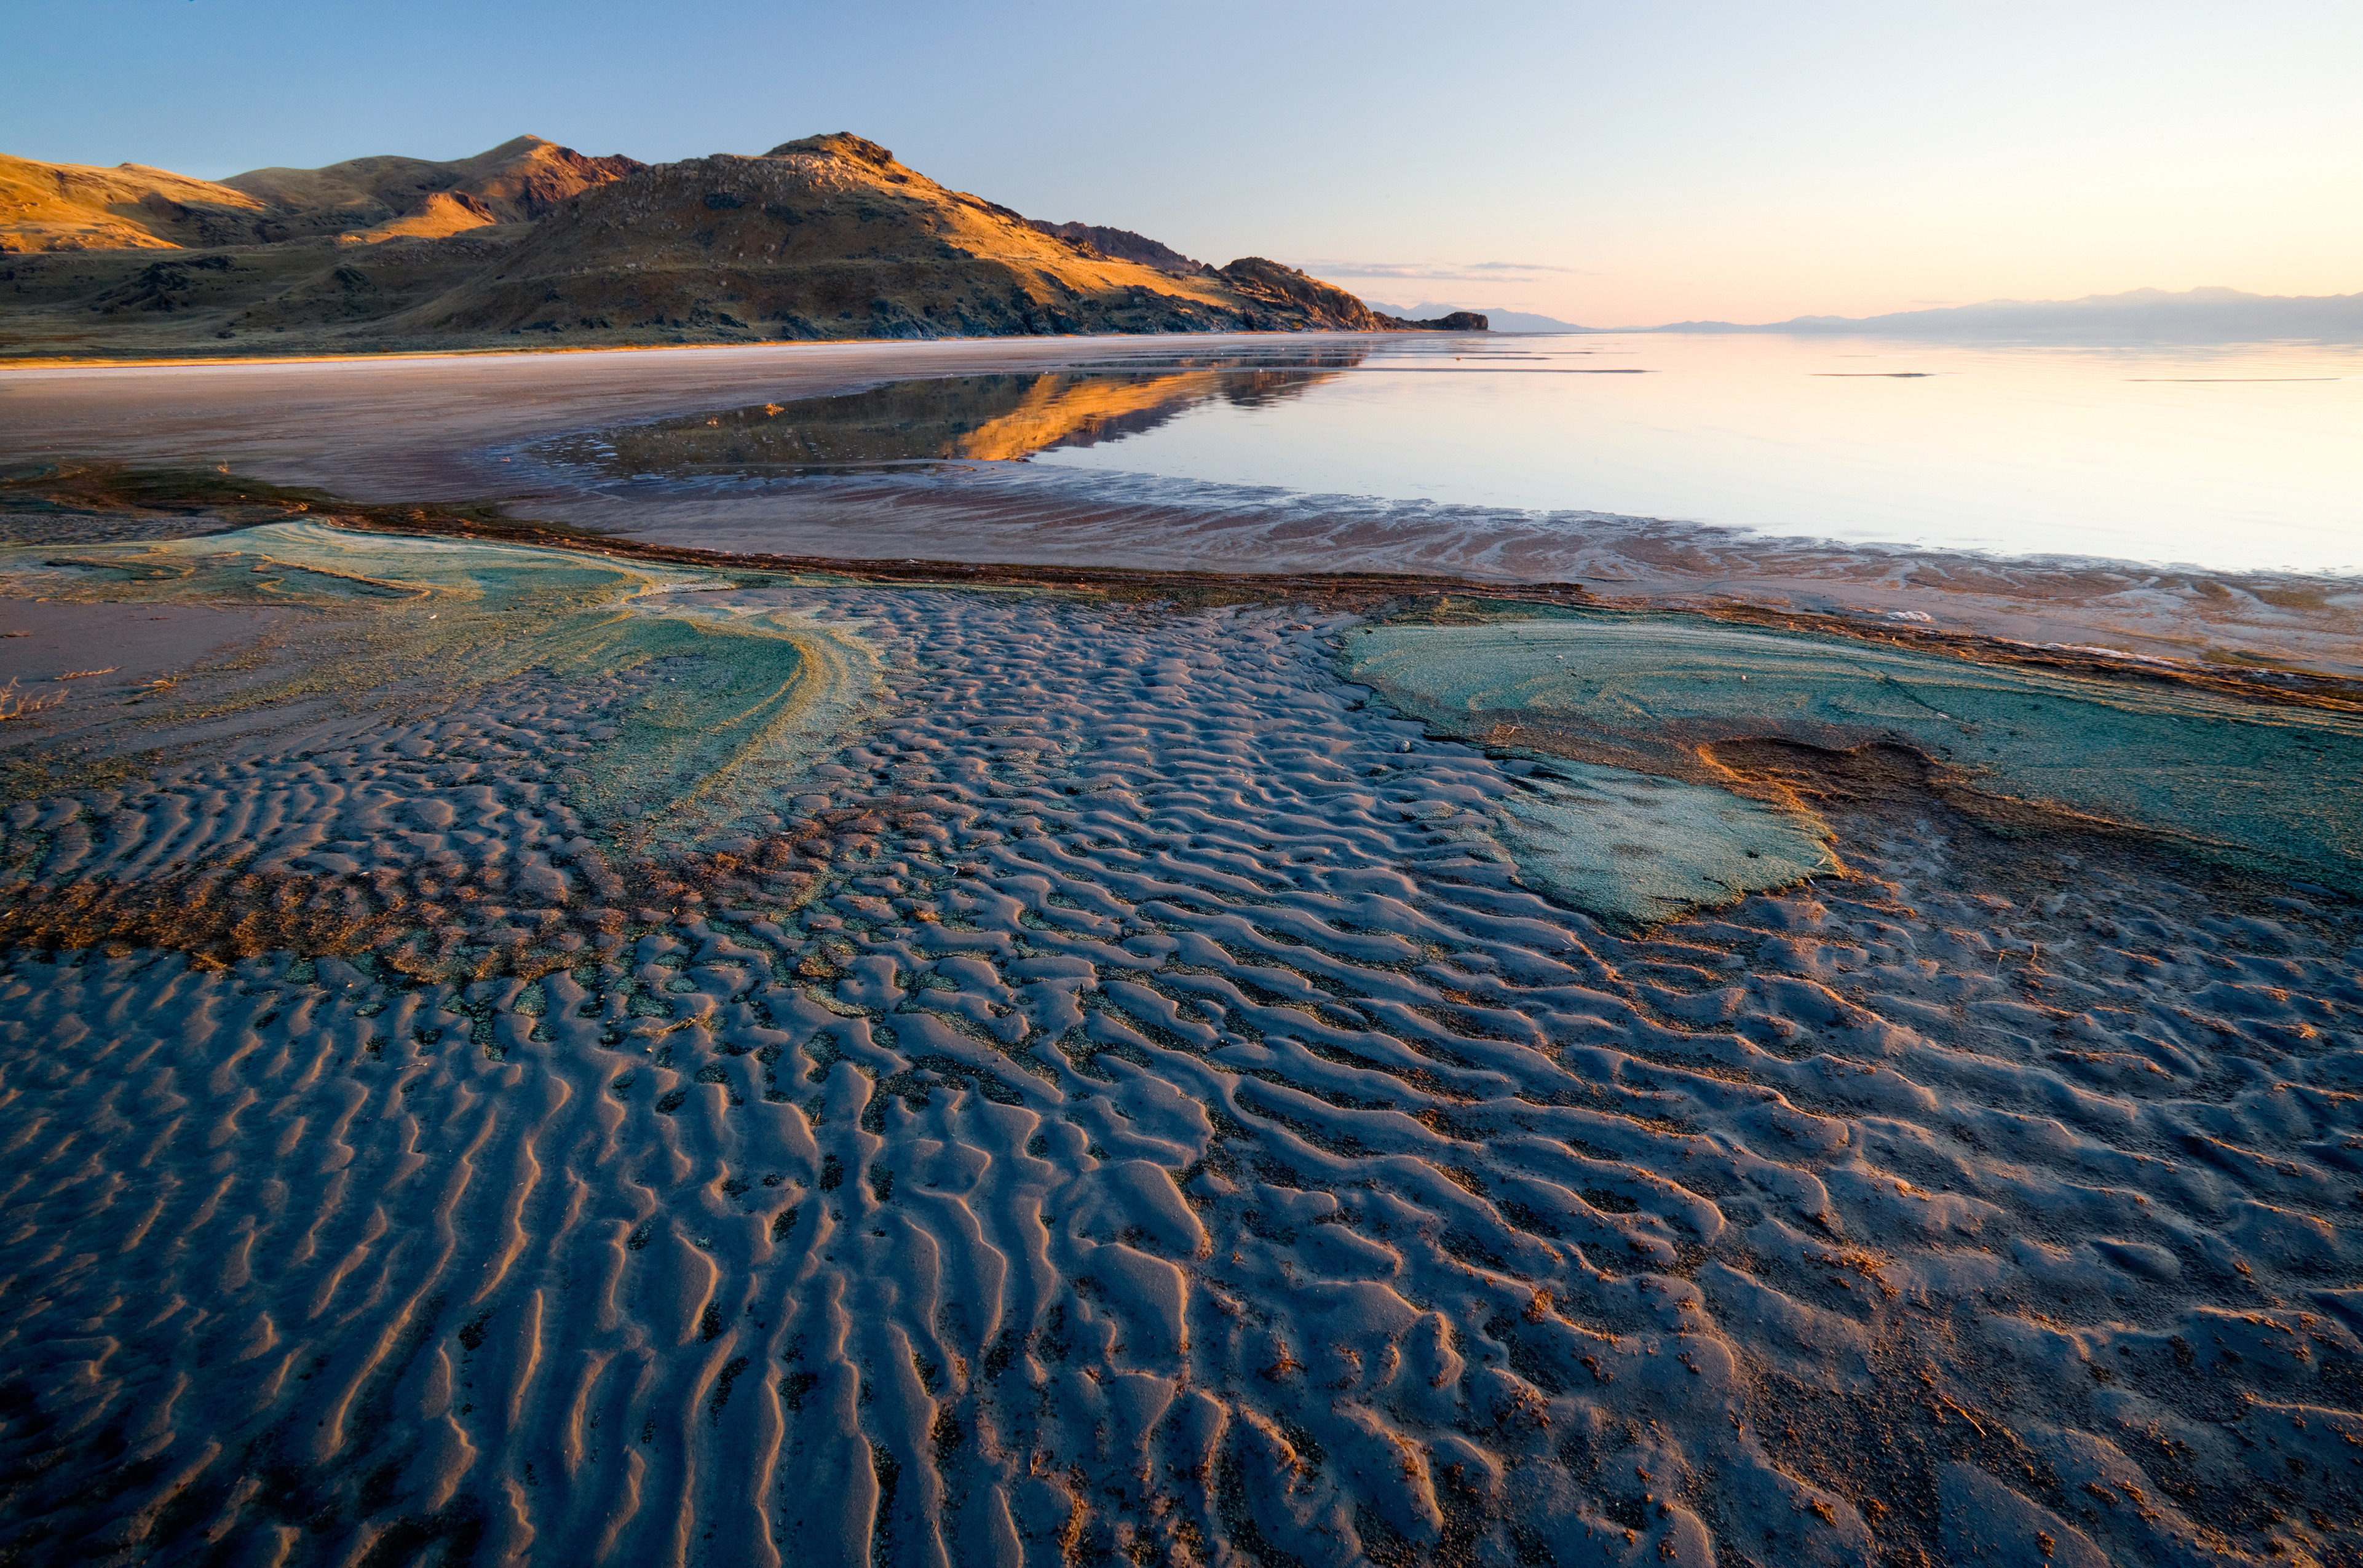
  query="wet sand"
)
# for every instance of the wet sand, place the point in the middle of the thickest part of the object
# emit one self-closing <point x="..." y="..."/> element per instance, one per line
<point x="1041" y="1079"/>
<point x="1091" y="521"/>
<point x="45" y="648"/>
<point x="416" y="428"/>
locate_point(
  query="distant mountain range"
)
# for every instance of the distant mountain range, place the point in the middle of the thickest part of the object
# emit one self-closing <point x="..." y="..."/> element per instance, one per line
<point x="826" y="237"/>
<point x="2195" y="315"/>
<point x="2200" y="315"/>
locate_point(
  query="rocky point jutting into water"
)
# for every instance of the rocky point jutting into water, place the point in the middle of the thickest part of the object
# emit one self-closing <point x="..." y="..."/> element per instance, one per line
<point x="826" y="237"/>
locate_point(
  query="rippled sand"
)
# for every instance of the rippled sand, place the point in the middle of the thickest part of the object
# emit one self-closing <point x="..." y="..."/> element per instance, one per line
<point x="1113" y="1091"/>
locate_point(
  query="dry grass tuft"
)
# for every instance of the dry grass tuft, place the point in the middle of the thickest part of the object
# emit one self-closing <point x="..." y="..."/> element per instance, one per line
<point x="14" y="704"/>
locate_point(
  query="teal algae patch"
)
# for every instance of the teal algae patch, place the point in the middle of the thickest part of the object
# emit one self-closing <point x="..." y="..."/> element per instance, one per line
<point x="2278" y="787"/>
<point x="1635" y="848"/>
<point x="726" y="682"/>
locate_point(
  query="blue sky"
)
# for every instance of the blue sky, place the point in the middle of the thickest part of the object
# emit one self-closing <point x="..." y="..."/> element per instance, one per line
<point x="1609" y="164"/>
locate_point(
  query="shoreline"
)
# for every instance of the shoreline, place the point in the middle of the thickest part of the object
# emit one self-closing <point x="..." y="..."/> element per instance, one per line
<point x="444" y="429"/>
<point x="60" y="363"/>
<point x="133" y="491"/>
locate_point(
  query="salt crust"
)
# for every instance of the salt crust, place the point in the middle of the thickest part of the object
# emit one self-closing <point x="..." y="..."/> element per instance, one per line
<point x="1799" y="1233"/>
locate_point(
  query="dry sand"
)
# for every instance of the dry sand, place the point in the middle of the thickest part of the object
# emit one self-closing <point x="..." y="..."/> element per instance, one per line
<point x="1049" y="1081"/>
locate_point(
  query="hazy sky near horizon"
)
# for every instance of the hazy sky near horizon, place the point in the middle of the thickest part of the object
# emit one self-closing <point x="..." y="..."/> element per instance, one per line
<point x="1610" y="163"/>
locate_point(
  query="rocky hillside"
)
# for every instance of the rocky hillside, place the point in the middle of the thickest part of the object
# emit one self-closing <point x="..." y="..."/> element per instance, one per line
<point x="68" y="206"/>
<point x="1124" y="244"/>
<point x="828" y="236"/>
<point x="515" y="182"/>
<point x="76" y="206"/>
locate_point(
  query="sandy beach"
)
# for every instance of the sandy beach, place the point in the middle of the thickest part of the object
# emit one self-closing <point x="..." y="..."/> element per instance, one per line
<point x="513" y="1052"/>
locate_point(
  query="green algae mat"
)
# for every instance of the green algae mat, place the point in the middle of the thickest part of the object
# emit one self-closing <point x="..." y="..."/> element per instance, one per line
<point x="1637" y="849"/>
<point x="439" y="618"/>
<point x="2278" y="787"/>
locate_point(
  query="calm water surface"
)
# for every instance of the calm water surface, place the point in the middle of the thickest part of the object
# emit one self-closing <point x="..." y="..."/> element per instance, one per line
<point x="2229" y="457"/>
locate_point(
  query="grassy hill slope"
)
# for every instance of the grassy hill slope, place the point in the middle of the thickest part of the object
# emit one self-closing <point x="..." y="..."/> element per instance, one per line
<point x="515" y="182"/>
<point x="77" y="206"/>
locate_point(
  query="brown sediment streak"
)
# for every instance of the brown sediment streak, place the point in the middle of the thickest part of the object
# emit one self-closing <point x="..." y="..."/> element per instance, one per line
<point x="424" y="924"/>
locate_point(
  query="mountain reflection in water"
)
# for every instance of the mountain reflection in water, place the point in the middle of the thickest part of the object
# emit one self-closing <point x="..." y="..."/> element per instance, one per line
<point x="973" y="418"/>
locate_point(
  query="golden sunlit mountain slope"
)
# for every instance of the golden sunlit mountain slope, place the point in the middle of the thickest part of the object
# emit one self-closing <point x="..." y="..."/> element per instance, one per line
<point x="1123" y="242"/>
<point x="515" y="182"/>
<point x="829" y="237"/>
<point x="75" y="206"/>
<point x="68" y="206"/>
<point x="825" y="237"/>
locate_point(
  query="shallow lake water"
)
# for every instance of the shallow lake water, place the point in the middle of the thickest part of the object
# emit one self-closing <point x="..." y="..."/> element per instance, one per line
<point x="2224" y="457"/>
<point x="2232" y="457"/>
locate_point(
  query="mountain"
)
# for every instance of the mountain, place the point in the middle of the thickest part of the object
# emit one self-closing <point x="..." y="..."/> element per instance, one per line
<point x="515" y="182"/>
<point x="824" y="236"/>
<point x="68" y="206"/>
<point x="2195" y="315"/>
<point x="830" y="236"/>
<point x="76" y="206"/>
<point x="1501" y="320"/>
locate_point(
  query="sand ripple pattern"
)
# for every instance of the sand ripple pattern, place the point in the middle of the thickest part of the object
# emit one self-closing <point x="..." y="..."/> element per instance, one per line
<point x="1174" y="1135"/>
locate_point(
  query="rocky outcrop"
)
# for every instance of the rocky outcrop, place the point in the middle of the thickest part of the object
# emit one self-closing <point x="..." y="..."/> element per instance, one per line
<point x="1282" y="287"/>
<point x="1285" y="289"/>
<point x="1457" y="321"/>
<point x="1123" y="244"/>
<point x="522" y="179"/>
<point x="165" y="286"/>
